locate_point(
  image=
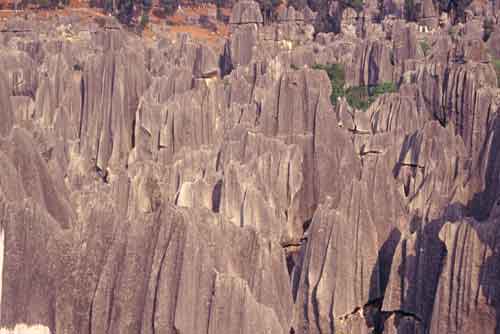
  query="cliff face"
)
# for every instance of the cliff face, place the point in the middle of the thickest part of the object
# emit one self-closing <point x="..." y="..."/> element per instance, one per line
<point x="168" y="187"/>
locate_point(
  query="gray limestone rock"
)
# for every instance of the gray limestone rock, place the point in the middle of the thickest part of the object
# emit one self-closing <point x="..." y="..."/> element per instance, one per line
<point x="171" y="186"/>
<point x="7" y="112"/>
<point x="466" y="300"/>
<point x="245" y="12"/>
<point x="371" y="64"/>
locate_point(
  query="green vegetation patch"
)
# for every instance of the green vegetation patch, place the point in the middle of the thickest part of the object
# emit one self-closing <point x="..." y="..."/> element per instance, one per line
<point x="425" y="47"/>
<point x="357" y="5"/>
<point x="336" y="74"/>
<point x="359" y="97"/>
<point x="169" y="6"/>
<point x="143" y="22"/>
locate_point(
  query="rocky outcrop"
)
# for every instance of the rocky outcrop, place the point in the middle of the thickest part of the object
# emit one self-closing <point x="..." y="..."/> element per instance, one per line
<point x="240" y="48"/>
<point x="466" y="299"/>
<point x="6" y="110"/>
<point x="20" y="72"/>
<point x="423" y="168"/>
<point x="111" y="91"/>
<point x="245" y="12"/>
<point x="414" y="276"/>
<point x="472" y="112"/>
<point x="494" y="43"/>
<point x="371" y="64"/>
<point x="406" y="49"/>
<point x="393" y="112"/>
<point x="169" y="186"/>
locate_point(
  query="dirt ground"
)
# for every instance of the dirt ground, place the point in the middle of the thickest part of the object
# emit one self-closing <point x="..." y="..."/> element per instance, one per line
<point x="159" y="24"/>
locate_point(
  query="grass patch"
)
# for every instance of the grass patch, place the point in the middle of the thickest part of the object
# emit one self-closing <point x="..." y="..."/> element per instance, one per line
<point x="359" y="97"/>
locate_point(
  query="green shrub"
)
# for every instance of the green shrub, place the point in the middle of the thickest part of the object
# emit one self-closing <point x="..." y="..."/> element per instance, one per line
<point x="385" y="87"/>
<point x="425" y="47"/>
<point x="336" y="74"/>
<point x="294" y="67"/>
<point x="269" y="9"/>
<point x="169" y="6"/>
<point x="144" y="20"/>
<point x="496" y="65"/>
<point x="359" y="97"/>
<point x="355" y="4"/>
<point x="44" y="4"/>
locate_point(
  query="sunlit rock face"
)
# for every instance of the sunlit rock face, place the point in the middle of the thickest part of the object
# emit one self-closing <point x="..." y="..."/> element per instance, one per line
<point x="184" y="186"/>
<point x="26" y="329"/>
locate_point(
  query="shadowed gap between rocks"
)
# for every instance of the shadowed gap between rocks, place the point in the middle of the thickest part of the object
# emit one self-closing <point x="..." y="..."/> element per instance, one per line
<point x="481" y="204"/>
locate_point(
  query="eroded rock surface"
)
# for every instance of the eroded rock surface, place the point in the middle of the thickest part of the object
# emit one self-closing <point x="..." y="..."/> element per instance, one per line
<point x="170" y="187"/>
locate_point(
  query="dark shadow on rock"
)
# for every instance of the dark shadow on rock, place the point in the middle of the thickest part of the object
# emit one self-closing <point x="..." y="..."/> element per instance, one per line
<point x="411" y="141"/>
<point x="425" y="285"/>
<point x="216" y="196"/>
<point x="481" y="203"/>
<point x="297" y="269"/>
<point x="489" y="280"/>
<point x="421" y="272"/>
<point x="379" y="279"/>
<point x="481" y="207"/>
<point x="380" y="274"/>
<point x="225" y="63"/>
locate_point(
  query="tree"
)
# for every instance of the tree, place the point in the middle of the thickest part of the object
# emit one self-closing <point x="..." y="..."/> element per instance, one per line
<point x="297" y="4"/>
<point x="219" y="4"/>
<point x="357" y="5"/>
<point x="48" y="3"/>
<point x="146" y="5"/>
<point x="410" y="10"/>
<point x="108" y="6"/>
<point x="143" y="22"/>
<point x="125" y="11"/>
<point x="268" y="8"/>
<point x="169" y="6"/>
<point x="381" y="10"/>
<point x="457" y="7"/>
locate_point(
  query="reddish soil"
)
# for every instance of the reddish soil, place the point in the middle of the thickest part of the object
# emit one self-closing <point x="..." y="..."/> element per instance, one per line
<point x="176" y="23"/>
